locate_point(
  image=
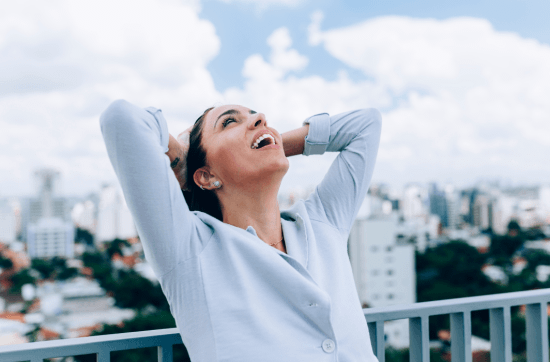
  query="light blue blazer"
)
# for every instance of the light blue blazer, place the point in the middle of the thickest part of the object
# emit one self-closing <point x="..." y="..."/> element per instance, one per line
<point x="235" y="298"/>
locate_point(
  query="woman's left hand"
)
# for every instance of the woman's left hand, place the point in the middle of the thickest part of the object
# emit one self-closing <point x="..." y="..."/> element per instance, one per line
<point x="177" y="152"/>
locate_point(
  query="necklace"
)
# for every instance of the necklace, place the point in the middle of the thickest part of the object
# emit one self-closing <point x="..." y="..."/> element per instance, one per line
<point x="273" y="244"/>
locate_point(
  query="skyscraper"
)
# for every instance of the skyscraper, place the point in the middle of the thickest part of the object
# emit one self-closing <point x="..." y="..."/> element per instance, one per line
<point x="114" y="220"/>
<point x="48" y="233"/>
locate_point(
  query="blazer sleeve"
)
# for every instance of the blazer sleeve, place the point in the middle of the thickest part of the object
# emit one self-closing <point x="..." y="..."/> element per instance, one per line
<point x="137" y="140"/>
<point x="356" y="135"/>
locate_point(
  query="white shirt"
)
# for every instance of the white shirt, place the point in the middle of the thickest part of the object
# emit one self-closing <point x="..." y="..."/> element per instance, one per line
<point x="235" y="298"/>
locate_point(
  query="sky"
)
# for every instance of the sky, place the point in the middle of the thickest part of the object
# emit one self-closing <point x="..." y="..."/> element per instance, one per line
<point x="463" y="87"/>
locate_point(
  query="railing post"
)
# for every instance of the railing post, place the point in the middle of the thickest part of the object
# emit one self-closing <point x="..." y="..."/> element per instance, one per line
<point x="461" y="337"/>
<point x="376" y="331"/>
<point x="165" y="353"/>
<point x="501" y="334"/>
<point x="419" y="338"/>
<point x="536" y="319"/>
<point x="104" y="356"/>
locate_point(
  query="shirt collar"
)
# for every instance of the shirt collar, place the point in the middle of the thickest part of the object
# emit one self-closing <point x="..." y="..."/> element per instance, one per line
<point x="294" y="232"/>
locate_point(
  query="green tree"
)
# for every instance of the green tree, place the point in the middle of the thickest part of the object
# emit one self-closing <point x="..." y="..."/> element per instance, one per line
<point x="451" y="270"/>
<point x="83" y="236"/>
<point x="92" y="259"/>
<point x="44" y="267"/>
<point x="115" y="246"/>
<point x="21" y="278"/>
<point x="67" y="273"/>
<point x="5" y="263"/>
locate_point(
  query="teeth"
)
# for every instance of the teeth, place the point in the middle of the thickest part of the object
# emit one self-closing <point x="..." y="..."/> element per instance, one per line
<point x="262" y="137"/>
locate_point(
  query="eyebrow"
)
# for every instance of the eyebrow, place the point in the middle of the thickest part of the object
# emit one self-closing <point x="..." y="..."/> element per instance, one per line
<point x="231" y="111"/>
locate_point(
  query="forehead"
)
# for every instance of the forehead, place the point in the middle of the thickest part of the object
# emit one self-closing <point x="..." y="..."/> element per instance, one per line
<point x="215" y="113"/>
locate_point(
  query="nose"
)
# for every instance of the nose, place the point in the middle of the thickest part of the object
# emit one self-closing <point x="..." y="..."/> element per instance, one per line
<point x="257" y="120"/>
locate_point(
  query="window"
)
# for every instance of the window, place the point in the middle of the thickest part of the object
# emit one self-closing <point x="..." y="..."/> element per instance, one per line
<point x="388" y="248"/>
<point x="390" y="296"/>
<point x="374" y="248"/>
<point x="389" y="272"/>
<point x="374" y="272"/>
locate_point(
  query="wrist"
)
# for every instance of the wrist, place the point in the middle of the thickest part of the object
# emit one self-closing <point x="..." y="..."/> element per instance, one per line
<point x="293" y="141"/>
<point x="173" y="150"/>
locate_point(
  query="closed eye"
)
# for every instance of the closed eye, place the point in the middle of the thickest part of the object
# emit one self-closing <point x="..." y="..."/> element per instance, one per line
<point x="227" y="121"/>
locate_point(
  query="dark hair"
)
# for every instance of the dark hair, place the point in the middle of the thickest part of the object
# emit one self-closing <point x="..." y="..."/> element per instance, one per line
<point x="197" y="199"/>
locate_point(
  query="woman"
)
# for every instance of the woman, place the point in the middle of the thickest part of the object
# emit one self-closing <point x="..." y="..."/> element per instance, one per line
<point x="245" y="281"/>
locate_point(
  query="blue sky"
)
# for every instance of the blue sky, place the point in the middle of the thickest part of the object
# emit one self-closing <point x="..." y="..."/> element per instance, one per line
<point x="462" y="86"/>
<point x="243" y="28"/>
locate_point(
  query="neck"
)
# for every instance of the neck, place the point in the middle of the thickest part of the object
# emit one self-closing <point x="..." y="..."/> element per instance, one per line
<point x="257" y="207"/>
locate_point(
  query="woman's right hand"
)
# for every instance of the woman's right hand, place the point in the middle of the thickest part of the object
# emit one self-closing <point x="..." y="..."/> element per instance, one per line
<point x="177" y="152"/>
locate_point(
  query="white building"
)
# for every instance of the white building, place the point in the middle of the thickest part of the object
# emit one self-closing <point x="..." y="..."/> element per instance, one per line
<point x="453" y="206"/>
<point x="544" y="200"/>
<point x="8" y="223"/>
<point x="384" y="271"/>
<point x="114" y="219"/>
<point x="530" y="206"/>
<point x="83" y="215"/>
<point x="48" y="233"/>
<point x="416" y="202"/>
<point x="50" y="237"/>
<point x="420" y="230"/>
<point x="483" y="210"/>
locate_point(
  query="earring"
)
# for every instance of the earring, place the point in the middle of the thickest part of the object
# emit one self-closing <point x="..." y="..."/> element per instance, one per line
<point x="201" y="187"/>
<point x="217" y="184"/>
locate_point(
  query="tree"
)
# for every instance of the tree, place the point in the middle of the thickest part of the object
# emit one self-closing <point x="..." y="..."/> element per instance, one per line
<point x="92" y="259"/>
<point x="55" y="268"/>
<point x="21" y="278"/>
<point x="5" y="263"/>
<point x="83" y="236"/>
<point x="451" y="270"/>
<point x="502" y="248"/>
<point x="67" y="273"/>
<point x="44" y="267"/>
<point x="115" y="246"/>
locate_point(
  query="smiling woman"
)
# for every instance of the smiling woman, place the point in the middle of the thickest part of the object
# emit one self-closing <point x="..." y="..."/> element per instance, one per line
<point x="246" y="281"/>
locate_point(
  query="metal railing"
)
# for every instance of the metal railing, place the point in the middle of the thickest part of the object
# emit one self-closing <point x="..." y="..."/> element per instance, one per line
<point x="418" y="315"/>
<point x="460" y="309"/>
<point x="102" y="346"/>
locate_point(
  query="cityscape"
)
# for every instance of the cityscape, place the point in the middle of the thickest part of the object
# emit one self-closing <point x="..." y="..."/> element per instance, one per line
<point x="74" y="266"/>
<point x="454" y="233"/>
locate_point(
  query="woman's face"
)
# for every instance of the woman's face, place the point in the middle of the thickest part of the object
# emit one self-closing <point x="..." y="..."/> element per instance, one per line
<point x="234" y="155"/>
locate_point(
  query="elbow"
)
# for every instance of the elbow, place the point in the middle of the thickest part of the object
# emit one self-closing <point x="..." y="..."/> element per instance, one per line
<point x="116" y="114"/>
<point x="372" y="114"/>
<point x="372" y="118"/>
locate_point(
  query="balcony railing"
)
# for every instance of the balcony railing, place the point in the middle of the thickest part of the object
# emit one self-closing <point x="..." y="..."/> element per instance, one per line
<point x="418" y="315"/>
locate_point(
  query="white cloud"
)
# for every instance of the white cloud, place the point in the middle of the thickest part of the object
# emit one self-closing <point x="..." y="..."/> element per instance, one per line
<point x="262" y="4"/>
<point x="314" y="28"/>
<point x="459" y="99"/>
<point x="64" y="61"/>
<point x="275" y="88"/>
<point x="469" y="100"/>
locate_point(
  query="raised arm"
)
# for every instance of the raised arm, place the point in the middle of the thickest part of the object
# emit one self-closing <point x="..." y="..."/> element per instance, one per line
<point x="137" y="142"/>
<point x="356" y="135"/>
<point x="294" y="141"/>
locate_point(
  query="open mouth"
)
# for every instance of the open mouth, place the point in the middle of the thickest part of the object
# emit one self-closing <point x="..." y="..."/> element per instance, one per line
<point x="264" y="140"/>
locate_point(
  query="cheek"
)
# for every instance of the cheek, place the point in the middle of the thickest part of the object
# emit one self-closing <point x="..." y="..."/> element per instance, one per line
<point x="231" y="162"/>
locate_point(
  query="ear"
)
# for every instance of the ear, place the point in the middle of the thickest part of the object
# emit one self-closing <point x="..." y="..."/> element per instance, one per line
<point x="203" y="177"/>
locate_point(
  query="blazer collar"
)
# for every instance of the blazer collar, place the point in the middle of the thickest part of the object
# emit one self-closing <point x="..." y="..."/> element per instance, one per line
<point x="294" y="232"/>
